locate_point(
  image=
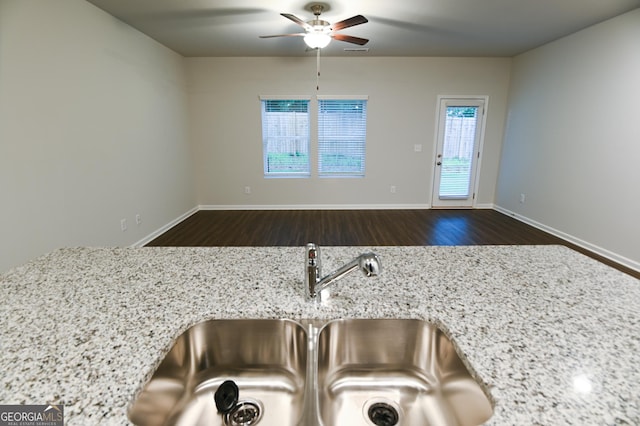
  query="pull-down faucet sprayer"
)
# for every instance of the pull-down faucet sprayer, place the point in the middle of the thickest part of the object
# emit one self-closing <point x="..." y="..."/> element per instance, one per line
<point x="368" y="263"/>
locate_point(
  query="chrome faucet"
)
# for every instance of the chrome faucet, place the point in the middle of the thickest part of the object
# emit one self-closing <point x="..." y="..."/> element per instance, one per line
<point x="368" y="263"/>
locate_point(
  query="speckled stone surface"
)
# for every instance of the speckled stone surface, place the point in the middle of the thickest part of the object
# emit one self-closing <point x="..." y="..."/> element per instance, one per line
<point x="553" y="335"/>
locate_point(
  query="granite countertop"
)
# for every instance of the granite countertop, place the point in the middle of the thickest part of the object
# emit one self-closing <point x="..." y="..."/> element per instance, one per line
<point x="552" y="334"/>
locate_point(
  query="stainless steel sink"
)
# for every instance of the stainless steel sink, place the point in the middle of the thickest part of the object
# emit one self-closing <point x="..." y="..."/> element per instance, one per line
<point x="369" y="372"/>
<point x="267" y="359"/>
<point x="394" y="371"/>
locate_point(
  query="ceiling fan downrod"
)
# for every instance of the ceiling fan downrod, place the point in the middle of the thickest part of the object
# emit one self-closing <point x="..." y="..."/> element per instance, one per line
<point x="317" y="11"/>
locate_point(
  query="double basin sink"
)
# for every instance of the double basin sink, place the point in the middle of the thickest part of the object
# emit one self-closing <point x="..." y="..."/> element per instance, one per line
<point x="369" y="372"/>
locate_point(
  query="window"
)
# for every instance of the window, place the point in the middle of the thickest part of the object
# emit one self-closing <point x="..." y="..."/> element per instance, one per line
<point x="342" y="129"/>
<point x="342" y="123"/>
<point x="285" y="137"/>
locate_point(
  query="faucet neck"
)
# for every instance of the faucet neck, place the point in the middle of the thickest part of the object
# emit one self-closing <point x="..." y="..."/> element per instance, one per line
<point x="313" y="270"/>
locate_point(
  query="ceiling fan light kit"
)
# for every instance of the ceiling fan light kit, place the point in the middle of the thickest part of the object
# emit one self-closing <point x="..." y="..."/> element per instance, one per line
<point x="317" y="40"/>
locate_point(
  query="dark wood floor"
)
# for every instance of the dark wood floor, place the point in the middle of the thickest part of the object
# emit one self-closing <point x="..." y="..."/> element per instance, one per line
<point x="358" y="228"/>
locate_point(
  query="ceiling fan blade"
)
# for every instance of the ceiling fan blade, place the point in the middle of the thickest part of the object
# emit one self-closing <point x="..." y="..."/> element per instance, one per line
<point x="284" y="35"/>
<point x="350" y="39"/>
<point x="354" y="20"/>
<point x="297" y="20"/>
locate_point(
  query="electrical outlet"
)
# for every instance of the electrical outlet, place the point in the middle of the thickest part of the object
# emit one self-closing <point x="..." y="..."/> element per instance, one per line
<point x="123" y="225"/>
<point x="247" y="190"/>
<point x="392" y="188"/>
<point x="522" y="198"/>
<point x="138" y="219"/>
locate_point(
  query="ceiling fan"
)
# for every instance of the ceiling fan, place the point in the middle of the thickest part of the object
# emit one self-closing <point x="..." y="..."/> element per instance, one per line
<point x="318" y="33"/>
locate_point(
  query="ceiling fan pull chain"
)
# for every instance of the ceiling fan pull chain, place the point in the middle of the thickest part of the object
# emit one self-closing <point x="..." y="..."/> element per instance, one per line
<point x="318" y="68"/>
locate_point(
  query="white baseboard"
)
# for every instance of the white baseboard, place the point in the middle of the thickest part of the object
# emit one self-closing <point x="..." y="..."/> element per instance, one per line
<point x="622" y="260"/>
<point x="489" y="206"/>
<point x="155" y="234"/>
<point x="318" y="207"/>
<point x="330" y="207"/>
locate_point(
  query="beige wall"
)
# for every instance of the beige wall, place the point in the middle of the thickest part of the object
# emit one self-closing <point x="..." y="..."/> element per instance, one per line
<point x="226" y="125"/>
<point x="572" y="143"/>
<point x="93" y="129"/>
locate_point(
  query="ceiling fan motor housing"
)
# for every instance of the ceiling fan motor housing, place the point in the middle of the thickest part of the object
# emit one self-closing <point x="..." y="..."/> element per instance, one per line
<point x="318" y="23"/>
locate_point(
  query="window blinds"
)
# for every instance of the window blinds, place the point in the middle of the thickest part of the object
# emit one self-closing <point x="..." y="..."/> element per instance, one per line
<point x="285" y="137"/>
<point x="342" y="129"/>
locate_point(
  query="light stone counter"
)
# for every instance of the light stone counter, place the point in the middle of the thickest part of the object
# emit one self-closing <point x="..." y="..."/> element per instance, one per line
<point x="552" y="334"/>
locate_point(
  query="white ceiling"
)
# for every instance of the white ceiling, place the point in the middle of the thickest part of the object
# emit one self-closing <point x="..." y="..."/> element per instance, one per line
<point x="395" y="27"/>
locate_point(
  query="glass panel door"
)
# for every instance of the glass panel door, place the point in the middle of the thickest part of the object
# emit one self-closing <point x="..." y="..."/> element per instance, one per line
<point x="459" y="125"/>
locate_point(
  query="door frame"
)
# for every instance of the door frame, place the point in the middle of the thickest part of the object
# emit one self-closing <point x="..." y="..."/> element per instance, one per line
<point x="478" y="152"/>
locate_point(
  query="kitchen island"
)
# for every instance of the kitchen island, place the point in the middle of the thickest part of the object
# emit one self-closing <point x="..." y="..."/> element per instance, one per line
<point x="552" y="335"/>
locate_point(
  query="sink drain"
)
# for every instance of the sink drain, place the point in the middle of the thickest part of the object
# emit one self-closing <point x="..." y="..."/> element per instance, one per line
<point x="383" y="414"/>
<point x="245" y="413"/>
